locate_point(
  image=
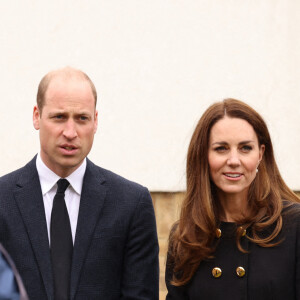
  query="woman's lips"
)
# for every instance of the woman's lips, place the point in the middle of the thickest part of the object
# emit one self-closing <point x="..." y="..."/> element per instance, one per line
<point x="233" y="176"/>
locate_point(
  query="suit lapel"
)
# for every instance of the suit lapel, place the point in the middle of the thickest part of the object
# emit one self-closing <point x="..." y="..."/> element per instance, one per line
<point x="91" y="202"/>
<point x="29" y="199"/>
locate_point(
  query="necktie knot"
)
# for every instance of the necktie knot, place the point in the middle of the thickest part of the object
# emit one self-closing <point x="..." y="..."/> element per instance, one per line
<point x="62" y="185"/>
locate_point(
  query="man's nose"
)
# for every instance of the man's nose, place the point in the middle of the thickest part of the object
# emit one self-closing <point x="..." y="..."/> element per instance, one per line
<point x="70" y="131"/>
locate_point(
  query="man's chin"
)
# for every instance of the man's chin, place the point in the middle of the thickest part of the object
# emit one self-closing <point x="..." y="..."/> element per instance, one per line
<point x="67" y="166"/>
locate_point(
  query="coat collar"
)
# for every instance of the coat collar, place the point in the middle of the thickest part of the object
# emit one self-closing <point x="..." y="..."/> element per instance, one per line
<point x="91" y="202"/>
<point x="29" y="199"/>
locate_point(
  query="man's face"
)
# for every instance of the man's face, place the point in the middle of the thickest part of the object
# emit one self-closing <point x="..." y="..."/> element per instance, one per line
<point x="67" y="124"/>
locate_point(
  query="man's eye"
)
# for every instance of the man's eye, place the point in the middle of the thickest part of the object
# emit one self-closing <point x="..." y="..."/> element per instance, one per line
<point x="83" y="118"/>
<point x="58" y="117"/>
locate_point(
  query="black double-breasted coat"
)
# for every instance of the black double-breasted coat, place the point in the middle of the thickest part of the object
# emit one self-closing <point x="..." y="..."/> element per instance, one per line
<point x="270" y="273"/>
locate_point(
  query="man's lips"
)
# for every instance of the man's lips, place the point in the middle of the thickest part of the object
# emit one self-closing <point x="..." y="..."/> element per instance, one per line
<point x="68" y="149"/>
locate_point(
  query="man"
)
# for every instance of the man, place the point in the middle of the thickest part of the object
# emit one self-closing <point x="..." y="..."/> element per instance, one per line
<point x="91" y="235"/>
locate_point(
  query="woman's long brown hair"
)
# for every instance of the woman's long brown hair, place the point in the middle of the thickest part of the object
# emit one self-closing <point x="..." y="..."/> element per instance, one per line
<point x="191" y="239"/>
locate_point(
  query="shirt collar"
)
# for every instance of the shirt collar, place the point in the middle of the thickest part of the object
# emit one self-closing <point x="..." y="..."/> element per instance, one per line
<point x="48" y="178"/>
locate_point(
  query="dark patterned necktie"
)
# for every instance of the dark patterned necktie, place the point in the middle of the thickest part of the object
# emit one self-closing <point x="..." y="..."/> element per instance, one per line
<point x="61" y="243"/>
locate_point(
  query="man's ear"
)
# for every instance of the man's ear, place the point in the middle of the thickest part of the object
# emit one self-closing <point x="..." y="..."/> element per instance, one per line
<point x="96" y="121"/>
<point x="36" y="118"/>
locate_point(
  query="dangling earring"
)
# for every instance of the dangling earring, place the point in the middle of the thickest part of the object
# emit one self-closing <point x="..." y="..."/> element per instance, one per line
<point x="257" y="166"/>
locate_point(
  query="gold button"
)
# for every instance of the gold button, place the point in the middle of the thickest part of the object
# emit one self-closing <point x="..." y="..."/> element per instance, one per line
<point x="243" y="230"/>
<point x="218" y="232"/>
<point x="240" y="271"/>
<point x="216" y="272"/>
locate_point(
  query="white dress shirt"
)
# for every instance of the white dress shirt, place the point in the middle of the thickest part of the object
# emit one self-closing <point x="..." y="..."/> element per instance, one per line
<point x="48" y="181"/>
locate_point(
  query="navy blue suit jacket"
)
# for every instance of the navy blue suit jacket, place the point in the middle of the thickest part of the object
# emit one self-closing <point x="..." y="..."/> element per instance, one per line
<point x="115" y="252"/>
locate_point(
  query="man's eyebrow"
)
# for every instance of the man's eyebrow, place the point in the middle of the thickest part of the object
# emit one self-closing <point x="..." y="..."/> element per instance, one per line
<point x="61" y="112"/>
<point x="53" y="113"/>
<point x="83" y="113"/>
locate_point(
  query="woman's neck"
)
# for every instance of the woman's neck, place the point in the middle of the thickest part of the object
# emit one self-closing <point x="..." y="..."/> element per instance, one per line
<point x="234" y="206"/>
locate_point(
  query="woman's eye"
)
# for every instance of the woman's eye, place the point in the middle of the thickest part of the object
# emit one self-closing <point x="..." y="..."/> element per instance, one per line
<point x="220" y="149"/>
<point x="246" y="148"/>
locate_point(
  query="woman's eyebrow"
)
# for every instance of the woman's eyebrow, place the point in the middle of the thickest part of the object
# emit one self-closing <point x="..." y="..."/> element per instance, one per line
<point x="219" y="143"/>
<point x="240" y="143"/>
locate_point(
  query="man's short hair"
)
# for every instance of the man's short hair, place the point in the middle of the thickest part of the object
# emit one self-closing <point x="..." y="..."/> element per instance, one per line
<point x="67" y="73"/>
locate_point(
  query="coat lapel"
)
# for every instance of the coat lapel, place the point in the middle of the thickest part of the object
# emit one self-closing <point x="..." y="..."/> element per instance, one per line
<point x="29" y="199"/>
<point x="91" y="202"/>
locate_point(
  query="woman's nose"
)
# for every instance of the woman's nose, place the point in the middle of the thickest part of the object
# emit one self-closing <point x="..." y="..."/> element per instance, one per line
<point x="233" y="159"/>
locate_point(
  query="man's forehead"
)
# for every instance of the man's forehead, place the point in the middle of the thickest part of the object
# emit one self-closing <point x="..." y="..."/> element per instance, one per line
<point x="61" y="86"/>
<point x="61" y="81"/>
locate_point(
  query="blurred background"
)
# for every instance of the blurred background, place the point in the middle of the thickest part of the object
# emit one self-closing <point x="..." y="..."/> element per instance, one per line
<point x="157" y="65"/>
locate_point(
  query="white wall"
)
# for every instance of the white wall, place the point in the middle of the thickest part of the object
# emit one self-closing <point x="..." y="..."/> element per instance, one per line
<point x="157" y="66"/>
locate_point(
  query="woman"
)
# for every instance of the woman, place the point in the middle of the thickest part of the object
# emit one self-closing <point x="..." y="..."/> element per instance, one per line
<point x="238" y="236"/>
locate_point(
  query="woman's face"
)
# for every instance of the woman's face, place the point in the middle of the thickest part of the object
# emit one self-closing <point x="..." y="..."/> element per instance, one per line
<point x="233" y="155"/>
